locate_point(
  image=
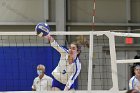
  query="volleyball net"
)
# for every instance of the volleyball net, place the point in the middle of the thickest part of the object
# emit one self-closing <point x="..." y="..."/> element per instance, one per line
<point x="105" y="68"/>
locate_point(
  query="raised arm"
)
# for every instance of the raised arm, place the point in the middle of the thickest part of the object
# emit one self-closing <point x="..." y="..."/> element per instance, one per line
<point x="50" y="38"/>
<point x="43" y="30"/>
<point x="56" y="46"/>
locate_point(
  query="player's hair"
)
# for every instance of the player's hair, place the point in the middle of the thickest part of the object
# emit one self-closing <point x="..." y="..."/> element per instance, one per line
<point x="80" y="43"/>
<point x="136" y="64"/>
<point x="83" y="41"/>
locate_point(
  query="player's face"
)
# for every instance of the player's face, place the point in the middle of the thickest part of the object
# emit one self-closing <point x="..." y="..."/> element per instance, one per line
<point x="137" y="72"/>
<point x="73" y="49"/>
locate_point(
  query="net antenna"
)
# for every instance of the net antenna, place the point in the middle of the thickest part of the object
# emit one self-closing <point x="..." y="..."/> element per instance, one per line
<point x="93" y="16"/>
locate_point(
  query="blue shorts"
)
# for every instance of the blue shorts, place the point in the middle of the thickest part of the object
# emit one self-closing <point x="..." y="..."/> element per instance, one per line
<point x="60" y="85"/>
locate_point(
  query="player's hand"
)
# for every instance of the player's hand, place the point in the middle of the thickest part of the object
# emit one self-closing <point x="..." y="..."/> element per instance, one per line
<point x="49" y="37"/>
<point x="66" y="88"/>
<point x="42" y="29"/>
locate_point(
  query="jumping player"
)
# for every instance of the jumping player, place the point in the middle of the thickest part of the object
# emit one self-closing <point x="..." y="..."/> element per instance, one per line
<point x="69" y="65"/>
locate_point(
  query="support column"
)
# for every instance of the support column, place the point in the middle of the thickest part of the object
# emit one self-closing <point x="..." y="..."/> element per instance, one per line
<point x="61" y="19"/>
<point x="128" y="13"/>
<point x="46" y="10"/>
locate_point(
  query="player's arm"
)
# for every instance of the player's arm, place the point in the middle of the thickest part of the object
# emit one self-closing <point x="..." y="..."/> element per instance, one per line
<point x="131" y="83"/>
<point x="43" y="30"/>
<point x="50" y="38"/>
<point x="73" y="77"/>
<point x="55" y="45"/>
<point x="59" y="48"/>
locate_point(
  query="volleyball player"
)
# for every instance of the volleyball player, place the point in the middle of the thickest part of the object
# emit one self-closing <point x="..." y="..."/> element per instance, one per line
<point x="134" y="82"/>
<point x="69" y="65"/>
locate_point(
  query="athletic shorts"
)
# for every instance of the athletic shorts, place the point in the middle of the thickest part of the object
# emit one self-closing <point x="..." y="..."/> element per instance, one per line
<point x="60" y="85"/>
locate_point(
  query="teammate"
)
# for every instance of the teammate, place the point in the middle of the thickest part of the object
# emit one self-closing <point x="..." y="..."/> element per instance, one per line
<point x="134" y="82"/>
<point x="42" y="82"/>
<point x="69" y="65"/>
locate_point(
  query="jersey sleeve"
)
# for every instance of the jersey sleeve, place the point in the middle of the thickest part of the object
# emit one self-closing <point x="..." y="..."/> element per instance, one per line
<point x="74" y="75"/>
<point x="59" y="48"/>
<point x="130" y="84"/>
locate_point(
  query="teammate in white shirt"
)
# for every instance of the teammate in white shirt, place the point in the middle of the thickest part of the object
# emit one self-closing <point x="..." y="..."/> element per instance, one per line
<point x="42" y="82"/>
<point x="134" y="82"/>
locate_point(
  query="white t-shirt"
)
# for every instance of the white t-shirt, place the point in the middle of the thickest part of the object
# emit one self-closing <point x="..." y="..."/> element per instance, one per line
<point x="134" y="83"/>
<point x="64" y="72"/>
<point x="42" y="84"/>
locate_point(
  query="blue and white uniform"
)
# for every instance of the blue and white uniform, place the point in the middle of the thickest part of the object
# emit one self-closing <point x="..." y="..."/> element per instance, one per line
<point x="65" y="73"/>
<point x="134" y="83"/>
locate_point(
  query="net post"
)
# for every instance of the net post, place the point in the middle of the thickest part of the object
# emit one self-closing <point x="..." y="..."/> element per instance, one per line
<point x="113" y="62"/>
<point x="90" y="62"/>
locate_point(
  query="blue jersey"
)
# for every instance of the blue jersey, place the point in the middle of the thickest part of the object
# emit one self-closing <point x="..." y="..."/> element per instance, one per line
<point x="65" y="73"/>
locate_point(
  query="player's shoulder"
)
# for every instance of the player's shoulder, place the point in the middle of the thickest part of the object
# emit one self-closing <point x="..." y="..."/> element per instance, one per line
<point x="78" y="61"/>
<point x="132" y="78"/>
